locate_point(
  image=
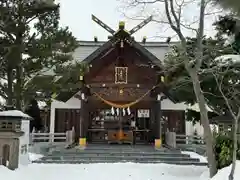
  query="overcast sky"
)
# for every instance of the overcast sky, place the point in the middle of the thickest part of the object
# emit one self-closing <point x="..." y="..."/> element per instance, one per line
<point x="77" y="15"/>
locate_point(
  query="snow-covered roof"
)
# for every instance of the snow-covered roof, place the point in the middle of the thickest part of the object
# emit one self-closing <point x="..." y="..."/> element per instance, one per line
<point x="14" y="114"/>
<point x="86" y="48"/>
<point x="228" y="58"/>
<point x="196" y="108"/>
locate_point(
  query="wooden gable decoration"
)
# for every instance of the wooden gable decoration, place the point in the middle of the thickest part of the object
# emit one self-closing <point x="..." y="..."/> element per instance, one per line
<point x="121" y="75"/>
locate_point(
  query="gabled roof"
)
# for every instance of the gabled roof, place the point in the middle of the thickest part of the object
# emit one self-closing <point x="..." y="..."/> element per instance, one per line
<point x="148" y="50"/>
<point x="86" y="48"/>
<point x="123" y="34"/>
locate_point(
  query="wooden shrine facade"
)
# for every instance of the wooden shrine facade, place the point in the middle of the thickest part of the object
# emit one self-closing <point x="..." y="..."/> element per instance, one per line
<point x="121" y="96"/>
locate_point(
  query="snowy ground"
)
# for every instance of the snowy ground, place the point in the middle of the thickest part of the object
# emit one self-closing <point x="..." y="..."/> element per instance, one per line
<point x="195" y="155"/>
<point x="117" y="171"/>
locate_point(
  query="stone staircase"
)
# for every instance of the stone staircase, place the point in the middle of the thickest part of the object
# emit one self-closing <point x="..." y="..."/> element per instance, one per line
<point x="118" y="153"/>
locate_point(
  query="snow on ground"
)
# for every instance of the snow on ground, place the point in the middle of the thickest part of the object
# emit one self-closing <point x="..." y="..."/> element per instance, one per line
<point x="34" y="157"/>
<point x="224" y="173"/>
<point x="117" y="171"/>
<point x="195" y="155"/>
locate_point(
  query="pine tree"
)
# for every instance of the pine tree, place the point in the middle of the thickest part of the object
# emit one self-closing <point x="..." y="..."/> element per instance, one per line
<point x="232" y="5"/>
<point x="32" y="44"/>
<point x="34" y="111"/>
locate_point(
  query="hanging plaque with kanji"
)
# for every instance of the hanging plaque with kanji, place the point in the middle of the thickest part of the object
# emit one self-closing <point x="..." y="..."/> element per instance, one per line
<point x="121" y="75"/>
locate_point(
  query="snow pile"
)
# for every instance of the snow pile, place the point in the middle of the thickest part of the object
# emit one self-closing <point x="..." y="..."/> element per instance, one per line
<point x="4" y="170"/>
<point x="196" y="156"/>
<point x="34" y="157"/>
<point x="115" y="171"/>
<point x="224" y="173"/>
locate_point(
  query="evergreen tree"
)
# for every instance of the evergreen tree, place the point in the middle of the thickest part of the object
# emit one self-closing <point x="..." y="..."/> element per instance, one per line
<point x="178" y="79"/>
<point x="34" y="111"/>
<point x="227" y="25"/>
<point x="33" y="46"/>
<point x="232" y="5"/>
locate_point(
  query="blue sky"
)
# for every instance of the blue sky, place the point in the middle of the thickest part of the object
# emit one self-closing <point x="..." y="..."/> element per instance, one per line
<point x="77" y="15"/>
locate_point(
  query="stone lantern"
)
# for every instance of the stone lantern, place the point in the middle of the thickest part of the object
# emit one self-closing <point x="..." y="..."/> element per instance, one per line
<point x="14" y="138"/>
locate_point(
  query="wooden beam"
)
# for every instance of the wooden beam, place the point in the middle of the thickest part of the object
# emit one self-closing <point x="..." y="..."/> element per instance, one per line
<point x="113" y="85"/>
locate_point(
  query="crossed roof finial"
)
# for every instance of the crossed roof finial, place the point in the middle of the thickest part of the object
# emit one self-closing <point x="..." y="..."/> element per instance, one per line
<point x="121" y="25"/>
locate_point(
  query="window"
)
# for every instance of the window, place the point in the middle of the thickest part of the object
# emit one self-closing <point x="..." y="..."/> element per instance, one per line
<point x="229" y="128"/>
<point x="18" y="126"/>
<point x="221" y="127"/>
<point x="6" y="125"/>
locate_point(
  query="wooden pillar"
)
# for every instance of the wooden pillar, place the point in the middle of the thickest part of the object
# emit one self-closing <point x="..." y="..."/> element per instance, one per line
<point x="82" y="129"/>
<point x="86" y="119"/>
<point x="158" y="120"/>
<point x="83" y="118"/>
<point x="82" y="112"/>
<point x="158" y="115"/>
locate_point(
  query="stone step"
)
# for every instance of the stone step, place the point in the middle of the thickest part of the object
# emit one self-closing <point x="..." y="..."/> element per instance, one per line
<point x="122" y="161"/>
<point x="120" y="158"/>
<point x="125" y="153"/>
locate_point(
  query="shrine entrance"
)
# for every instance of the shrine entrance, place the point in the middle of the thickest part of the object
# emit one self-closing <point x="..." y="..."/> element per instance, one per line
<point x="132" y="127"/>
<point x="120" y="103"/>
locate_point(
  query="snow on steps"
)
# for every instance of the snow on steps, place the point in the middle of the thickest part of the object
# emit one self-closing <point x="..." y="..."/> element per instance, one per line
<point x="114" y="154"/>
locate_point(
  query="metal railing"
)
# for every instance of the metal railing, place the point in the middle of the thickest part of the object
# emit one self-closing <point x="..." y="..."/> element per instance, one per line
<point x="189" y="139"/>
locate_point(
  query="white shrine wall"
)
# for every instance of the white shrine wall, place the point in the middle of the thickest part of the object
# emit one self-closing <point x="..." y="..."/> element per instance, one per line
<point x="166" y="104"/>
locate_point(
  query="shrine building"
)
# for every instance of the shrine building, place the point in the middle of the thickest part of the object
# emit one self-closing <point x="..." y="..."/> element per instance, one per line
<point x="123" y="98"/>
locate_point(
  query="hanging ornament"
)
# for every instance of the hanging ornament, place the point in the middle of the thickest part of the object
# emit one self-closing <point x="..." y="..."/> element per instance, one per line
<point x="122" y="44"/>
<point x="112" y="111"/>
<point x="124" y="112"/>
<point x="117" y="111"/>
<point x="128" y="111"/>
<point x="82" y="96"/>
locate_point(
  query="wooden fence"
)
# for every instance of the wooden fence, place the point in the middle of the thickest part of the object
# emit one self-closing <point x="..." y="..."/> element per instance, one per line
<point x="67" y="137"/>
<point x="186" y="139"/>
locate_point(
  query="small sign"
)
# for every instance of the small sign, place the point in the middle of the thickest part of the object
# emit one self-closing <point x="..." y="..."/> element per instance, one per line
<point x="24" y="149"/>
<point x="143" y="113"/>
<point x="121" y="74"/>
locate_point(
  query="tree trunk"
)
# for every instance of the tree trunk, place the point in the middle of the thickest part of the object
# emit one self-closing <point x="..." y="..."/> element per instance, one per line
<point x="19" y="87"/>
<point x="19" y="70"/>
<point x="10" y="86"/>
<point x="205" y="122"/>
<point x="234" y="155"/>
